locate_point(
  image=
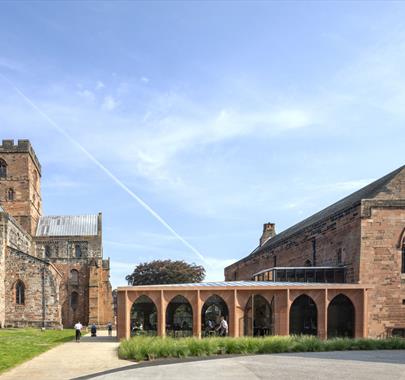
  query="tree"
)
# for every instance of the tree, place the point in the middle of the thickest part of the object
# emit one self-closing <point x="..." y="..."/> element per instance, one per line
<point x="166" y="272"/>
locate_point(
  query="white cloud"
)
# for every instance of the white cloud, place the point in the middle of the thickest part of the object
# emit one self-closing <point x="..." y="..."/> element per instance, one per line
<point x="109" y="103"/>
<point x="99" y="85"/>
<point x="87" y="94"/>
<point x="145" y="79"/>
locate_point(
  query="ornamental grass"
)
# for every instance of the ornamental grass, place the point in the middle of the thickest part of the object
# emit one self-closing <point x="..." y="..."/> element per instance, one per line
<point x="150" y="348"/>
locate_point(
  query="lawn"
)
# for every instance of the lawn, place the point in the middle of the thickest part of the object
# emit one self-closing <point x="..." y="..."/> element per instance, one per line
<point x="149" y="348"/>
<point x="19" y="345"/>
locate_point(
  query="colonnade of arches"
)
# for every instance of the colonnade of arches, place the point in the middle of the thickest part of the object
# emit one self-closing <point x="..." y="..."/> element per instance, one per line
<point x="258" y="316"/>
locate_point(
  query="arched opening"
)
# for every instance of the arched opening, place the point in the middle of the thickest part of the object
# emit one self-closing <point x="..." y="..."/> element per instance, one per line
<point x="3" y="169"/>
<point x="303" y="316"/>
<point x="341" y="317"/>
<point x="74" y="277"/>
<point x="74" y="300"/>
<point x="213" y="309"/>
<point x="143" y="318"/>
<point x="78" y="251"/>
<point x="179" y="317"/>
<point x="258" y="317"/>
<point x="308" y="263"/>
<point x="48" y="251"/>
<point x="19" y="293"/>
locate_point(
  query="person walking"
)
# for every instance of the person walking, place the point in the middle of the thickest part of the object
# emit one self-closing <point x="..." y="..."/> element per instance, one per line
<point x="93" y="330"/>
<point x="109" y="328"/>
<point x="78" y="328"/>
<point x="223" y="327"/>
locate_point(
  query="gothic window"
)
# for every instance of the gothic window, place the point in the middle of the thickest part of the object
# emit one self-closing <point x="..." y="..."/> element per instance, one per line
<point x="308" y="263"/>
<point x="74" y="277"/>
<point x="74" y="300"/>
<point x="10" y="194"/>
<point x="339" y="256"/>
<point x="47" y="251"/>
<point x="78" y="251"/>
<point x="20" y="293"/>
<point x="3" y="169"/>
<point x="403" y="257"/>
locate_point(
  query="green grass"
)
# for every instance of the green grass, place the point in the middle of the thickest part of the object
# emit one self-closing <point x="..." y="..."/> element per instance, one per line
<point x="19" y="345"/>
<point x="150" y="348"/>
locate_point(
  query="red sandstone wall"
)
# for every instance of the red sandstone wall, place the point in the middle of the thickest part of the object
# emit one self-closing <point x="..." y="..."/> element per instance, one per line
<point x="381" y="266"/>
<point x="341" y="232"/>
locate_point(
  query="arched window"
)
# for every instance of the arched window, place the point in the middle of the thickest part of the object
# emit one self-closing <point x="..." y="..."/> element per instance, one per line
<point x="74" y="277"/>
<point x="143" y="317"/>
<point x="403" y="256"/>
<point x="78" y="251"/>
<point x="213" y="309"/>
<point x="341" y="316"/>
<point x="3" y="169"/>
<point x="308" y="263"/>
<point x="303" y="316"/>
<point x="74" y="300"/>
<point x="47" y="251"/>
<point x="179" y="317"/>
<point x="258" y="317"/>
<point x="20" y="293"/>
<point x="10" y="194"/>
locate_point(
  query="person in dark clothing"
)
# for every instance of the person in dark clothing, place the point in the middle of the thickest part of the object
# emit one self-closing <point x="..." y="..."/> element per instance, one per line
<point x="93" y="330"/>
<point x="109" y="328"/>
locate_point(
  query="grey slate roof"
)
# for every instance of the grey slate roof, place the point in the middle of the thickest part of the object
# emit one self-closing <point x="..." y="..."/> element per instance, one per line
<point x="68" y="225"/>
<point x="367" y="192"/>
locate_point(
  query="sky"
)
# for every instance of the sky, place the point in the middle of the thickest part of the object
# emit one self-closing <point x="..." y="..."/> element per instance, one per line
<point x="219" y="116"/>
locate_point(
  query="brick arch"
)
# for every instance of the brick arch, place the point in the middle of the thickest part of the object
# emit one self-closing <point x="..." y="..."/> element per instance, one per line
<point x="145" y="322"/>
<point x="221" y="298"/>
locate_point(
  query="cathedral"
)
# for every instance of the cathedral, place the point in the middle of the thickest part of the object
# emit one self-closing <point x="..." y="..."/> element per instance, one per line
<point x="52" y="271"/>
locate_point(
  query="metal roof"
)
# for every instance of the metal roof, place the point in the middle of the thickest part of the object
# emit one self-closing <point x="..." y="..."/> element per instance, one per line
<point x="68" y="225"/>
<point x="234" y="283"/>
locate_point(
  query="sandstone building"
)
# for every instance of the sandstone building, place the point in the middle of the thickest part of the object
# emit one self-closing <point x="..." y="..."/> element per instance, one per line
<point x="359" y="239"/>
<point x="338" y="273"/>
<point x="52" y="271"/>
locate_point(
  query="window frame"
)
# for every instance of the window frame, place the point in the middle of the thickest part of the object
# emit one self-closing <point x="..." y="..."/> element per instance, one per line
<point x="20" y="293"/>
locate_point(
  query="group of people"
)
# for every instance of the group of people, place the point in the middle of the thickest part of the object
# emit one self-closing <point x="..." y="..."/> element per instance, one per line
<point x="221" y="329"/>
<point x="93" y="330"/>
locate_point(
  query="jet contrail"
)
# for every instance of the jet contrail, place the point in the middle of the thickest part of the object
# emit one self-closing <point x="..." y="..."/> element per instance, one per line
<point x="107" y="171"/>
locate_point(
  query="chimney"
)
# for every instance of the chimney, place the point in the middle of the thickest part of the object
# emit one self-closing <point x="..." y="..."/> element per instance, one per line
<point x="269" y="230"/>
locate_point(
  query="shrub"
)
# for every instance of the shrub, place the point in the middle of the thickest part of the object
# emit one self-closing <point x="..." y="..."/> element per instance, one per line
<point x="150" y="348"/>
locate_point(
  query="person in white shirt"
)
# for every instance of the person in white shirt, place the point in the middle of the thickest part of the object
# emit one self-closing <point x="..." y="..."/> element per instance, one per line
<point x="78" y="327"/>
<point x="223" y="327"/>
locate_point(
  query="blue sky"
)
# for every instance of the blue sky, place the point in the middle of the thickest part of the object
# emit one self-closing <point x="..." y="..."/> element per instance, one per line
<point x="221" y="116"/>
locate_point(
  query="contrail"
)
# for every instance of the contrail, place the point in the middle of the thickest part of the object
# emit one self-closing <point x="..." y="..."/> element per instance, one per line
<point x="107" y="171"/>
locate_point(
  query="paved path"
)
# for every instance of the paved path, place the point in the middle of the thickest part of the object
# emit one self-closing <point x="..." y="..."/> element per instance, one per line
<point x="352" y="365"/>
<point x="70" y="360"/>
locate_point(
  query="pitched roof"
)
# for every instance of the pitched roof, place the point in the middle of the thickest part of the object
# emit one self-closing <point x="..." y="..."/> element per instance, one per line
<point x="68" y="225"/>
<point x="367" y="192"/>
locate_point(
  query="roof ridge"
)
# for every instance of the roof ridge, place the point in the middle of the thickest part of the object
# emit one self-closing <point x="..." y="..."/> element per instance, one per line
<point x="366" y="192"/>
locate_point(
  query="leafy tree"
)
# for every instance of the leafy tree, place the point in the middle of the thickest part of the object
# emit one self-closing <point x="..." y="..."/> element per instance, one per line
<point x="166" y="272"/>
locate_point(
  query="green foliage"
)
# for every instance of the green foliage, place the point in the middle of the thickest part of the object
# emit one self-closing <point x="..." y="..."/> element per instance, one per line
<point x="159" y="272"/>
<point x="19" y="345"/>
<point x="150" y="348"/>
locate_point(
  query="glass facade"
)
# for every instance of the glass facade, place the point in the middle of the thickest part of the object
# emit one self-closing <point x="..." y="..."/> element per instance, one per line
<point x="303" y="274"/>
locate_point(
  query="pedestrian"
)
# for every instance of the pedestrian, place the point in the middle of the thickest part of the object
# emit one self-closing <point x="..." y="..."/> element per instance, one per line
<point x="223" y="327"/>
<point x="109" y="328"/>
<point x="78" y="328"/>
<point x="93" y="330"/>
